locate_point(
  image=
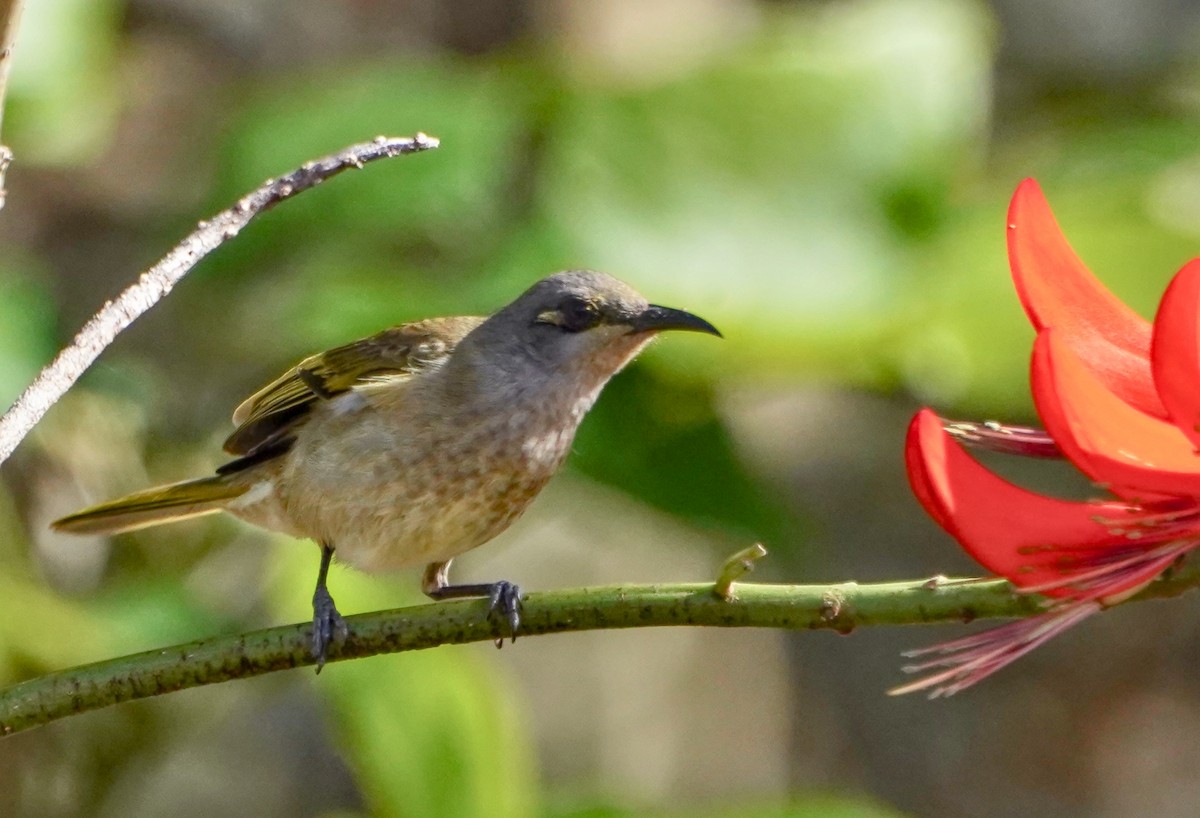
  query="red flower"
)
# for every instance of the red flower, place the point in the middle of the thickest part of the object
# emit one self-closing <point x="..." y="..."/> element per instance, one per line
<point x="1120" y="398"/>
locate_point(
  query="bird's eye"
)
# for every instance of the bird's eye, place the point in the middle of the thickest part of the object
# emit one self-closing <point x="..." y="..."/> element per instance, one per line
<point x="574" y="316"/>
<point x="578" y="315"/>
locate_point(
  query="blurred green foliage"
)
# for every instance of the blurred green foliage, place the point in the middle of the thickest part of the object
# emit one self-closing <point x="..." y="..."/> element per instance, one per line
<point x="26" y="325"/>
<point x="815" y="807"/>
<point x="68" y="65"/>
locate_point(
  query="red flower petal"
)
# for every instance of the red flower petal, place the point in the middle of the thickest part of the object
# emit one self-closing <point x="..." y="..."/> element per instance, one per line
<point x="1137" y="456"/>
<point x="1175" y="351"/>
<point x="1058" y="291"/>
<point x="1029" y="539"/>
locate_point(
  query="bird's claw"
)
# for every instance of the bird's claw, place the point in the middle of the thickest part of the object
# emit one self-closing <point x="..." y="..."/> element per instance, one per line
<point x="503" y="597"/>
<point x="504" y="601"/>
<point x="328" y="626"/>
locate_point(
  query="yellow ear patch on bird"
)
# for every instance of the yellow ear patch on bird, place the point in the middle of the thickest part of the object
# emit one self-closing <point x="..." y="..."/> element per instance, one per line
<point x="575" y="315"/>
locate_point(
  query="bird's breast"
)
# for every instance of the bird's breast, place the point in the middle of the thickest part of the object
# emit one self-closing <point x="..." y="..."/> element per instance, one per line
<point x="406" y="481"/>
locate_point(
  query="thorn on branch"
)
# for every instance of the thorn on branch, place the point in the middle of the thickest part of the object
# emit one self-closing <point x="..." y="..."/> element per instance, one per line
<point x="735" y="568"/>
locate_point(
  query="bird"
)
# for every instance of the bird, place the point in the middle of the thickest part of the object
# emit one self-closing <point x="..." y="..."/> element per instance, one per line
<point x="419" y="443"/>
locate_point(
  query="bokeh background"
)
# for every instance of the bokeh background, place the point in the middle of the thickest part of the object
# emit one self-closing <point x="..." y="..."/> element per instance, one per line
<point x="826" y="182"/>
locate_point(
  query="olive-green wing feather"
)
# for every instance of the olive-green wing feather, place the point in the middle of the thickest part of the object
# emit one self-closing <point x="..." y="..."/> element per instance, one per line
<point x="268" y="418"/>
<point x="161" y="504"/>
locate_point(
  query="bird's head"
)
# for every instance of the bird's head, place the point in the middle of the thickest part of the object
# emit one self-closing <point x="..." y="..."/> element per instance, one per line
<point x="548" y="353"/>
<point x="586" y="319"/>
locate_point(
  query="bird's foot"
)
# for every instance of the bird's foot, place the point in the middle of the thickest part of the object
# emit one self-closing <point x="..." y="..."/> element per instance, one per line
<point x="504" y="601"/>
<point x="328" y="626"/>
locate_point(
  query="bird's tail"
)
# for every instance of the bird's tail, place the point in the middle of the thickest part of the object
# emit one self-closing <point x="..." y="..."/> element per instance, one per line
<point x="161" y="504"/>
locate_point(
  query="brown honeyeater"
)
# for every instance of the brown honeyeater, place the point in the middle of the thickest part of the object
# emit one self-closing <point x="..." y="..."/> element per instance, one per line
<point x="419" y="443"/>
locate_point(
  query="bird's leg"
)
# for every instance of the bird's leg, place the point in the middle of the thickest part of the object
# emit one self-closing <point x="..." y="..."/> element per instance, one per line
<point x="328" y="625"/>
<point x="504" y="598"/>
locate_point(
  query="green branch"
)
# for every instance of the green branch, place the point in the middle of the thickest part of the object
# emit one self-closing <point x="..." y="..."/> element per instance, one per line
<point x="842" y="607"/>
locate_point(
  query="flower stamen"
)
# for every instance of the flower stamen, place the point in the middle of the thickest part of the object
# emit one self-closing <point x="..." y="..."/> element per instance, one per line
<point x="992" y="436"/>
<point x="974" y="658"/>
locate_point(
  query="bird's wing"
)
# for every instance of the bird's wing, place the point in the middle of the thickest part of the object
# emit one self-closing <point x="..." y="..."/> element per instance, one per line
<point x="266" y="420"/>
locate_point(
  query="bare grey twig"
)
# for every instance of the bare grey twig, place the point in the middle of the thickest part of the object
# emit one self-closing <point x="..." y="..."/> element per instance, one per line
<point x="53" y="381"/>
<point x="10" y="20"/>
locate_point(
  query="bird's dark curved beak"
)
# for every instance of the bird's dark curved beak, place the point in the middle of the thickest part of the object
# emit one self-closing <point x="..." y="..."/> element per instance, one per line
<point x="659" y="319"/>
